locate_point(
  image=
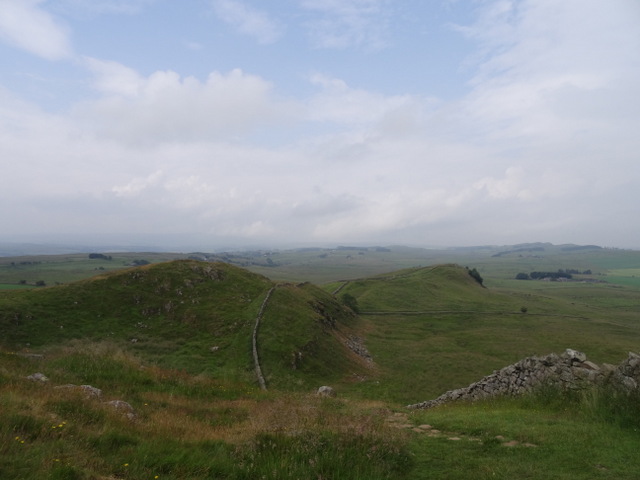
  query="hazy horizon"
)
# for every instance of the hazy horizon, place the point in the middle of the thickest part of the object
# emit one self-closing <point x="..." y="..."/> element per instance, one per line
<point x="61" y="247"/>
<point x="320" y="122"/>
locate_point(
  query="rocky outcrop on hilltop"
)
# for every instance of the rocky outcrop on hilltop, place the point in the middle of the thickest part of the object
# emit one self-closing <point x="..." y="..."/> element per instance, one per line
<point x="568" y="371"/>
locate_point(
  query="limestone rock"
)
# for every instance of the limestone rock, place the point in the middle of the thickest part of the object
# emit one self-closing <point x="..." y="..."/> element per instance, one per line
<point x="38" y="377"/>
<point x="326" y="391"/>
<point x="91" y="391"/>
<point x="88" y="390"/>
<point x="574" y="355"/>
<point x="124" y="407"/>
<point x="569" y="371"/>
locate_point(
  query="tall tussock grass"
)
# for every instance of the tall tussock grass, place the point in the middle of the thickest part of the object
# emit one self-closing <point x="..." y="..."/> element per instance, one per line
<point x="606" y="402"/>
<point x="185" y="427"/>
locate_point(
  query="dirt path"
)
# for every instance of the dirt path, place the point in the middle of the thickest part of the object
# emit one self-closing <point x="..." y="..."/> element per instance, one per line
<point x="401" y="420"/>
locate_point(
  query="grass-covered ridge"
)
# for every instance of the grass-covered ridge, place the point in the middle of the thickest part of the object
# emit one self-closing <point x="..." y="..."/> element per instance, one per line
<point x="196" y="316"/>
<point x="436" y="328"/>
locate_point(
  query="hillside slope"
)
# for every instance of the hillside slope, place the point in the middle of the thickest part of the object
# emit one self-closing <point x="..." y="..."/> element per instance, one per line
<point x="435" y="329"/>
<point x="190" y="315"/>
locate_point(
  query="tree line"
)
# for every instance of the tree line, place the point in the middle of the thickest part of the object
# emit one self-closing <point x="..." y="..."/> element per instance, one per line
<point x="567" y="274"/>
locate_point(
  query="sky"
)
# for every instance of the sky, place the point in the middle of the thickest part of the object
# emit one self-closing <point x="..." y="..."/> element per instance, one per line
<point x="282" y="123"/>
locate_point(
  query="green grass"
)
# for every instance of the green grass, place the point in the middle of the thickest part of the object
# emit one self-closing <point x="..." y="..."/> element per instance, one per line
<point x="182" y="432"/>
<point x="189" y="315"/>
<point x="62" y="269"/>
<point x="200" y="413"/>
<point x="590" y="436"/>
<point x="299" y="344"/>
<point x="185" y="427"/>
<point x="11" y="286"/>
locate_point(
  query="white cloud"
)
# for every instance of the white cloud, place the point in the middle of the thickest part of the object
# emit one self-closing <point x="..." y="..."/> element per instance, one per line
<point x="543" y="63"/>
<point x="509" y="187"/>
<point x="347" y="23"/>
<point x="339" y="104"/>
<point x="113" y="78"/>
<point x="26" y="25"/>
<point x="137" y="185"/>
<point x="165" y="107"/>
<point x="547" y="132"/>
<point x="248" y="20"/>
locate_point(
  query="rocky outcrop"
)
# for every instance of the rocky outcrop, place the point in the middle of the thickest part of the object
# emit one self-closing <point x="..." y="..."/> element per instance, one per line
<point x="356" y="345"/>
<point x="568" y="371"/>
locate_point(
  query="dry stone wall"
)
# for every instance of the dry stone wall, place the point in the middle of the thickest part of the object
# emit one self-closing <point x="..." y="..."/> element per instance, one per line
<point x="570" y="370"/>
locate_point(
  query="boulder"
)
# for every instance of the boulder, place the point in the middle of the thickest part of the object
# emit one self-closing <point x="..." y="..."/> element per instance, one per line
<point x="38" y="377"/>
<point x="326" y="391"/>
<point x="123" y="407"/>
<point x="574" y="356"/>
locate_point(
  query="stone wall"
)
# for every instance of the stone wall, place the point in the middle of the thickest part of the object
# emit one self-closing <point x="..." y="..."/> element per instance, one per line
<point x="571" y="370"/>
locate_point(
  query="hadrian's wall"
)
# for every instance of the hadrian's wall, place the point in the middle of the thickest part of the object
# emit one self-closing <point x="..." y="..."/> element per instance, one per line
<point x="571" y="370"/>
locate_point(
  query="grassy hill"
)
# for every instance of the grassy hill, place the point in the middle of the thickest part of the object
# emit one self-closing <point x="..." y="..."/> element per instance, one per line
<point x="189" y="315"/>
<point x="420" y="325"/>
<point x="174" y="340"/>
<point x="436" y="328"/>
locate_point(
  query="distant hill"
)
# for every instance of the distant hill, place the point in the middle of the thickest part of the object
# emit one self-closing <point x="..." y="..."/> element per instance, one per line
<point x="447" y="286"/>
<point x="432" y="329"/>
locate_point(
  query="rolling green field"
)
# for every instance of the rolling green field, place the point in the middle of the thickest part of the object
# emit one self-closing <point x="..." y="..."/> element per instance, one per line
<point x="61" y="269"/>
<point x="174" y="340"/>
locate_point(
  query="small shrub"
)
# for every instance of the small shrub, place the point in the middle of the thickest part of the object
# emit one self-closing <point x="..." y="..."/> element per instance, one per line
<point x="350" y="301"/>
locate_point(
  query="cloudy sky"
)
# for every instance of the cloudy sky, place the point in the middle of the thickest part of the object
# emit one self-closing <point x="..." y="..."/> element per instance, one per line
<point x="315" y="122"/>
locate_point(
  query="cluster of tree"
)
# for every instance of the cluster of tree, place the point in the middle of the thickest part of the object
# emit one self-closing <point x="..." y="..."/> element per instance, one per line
<point x="568" y="274"/>
<point x="350" y="301"/>
<point x="550" y="275"/>
<point x="139" y="262"/>
<point x="476" y="275"/>
<point x="39" y="283"/>
<point x="99" y="256"/>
